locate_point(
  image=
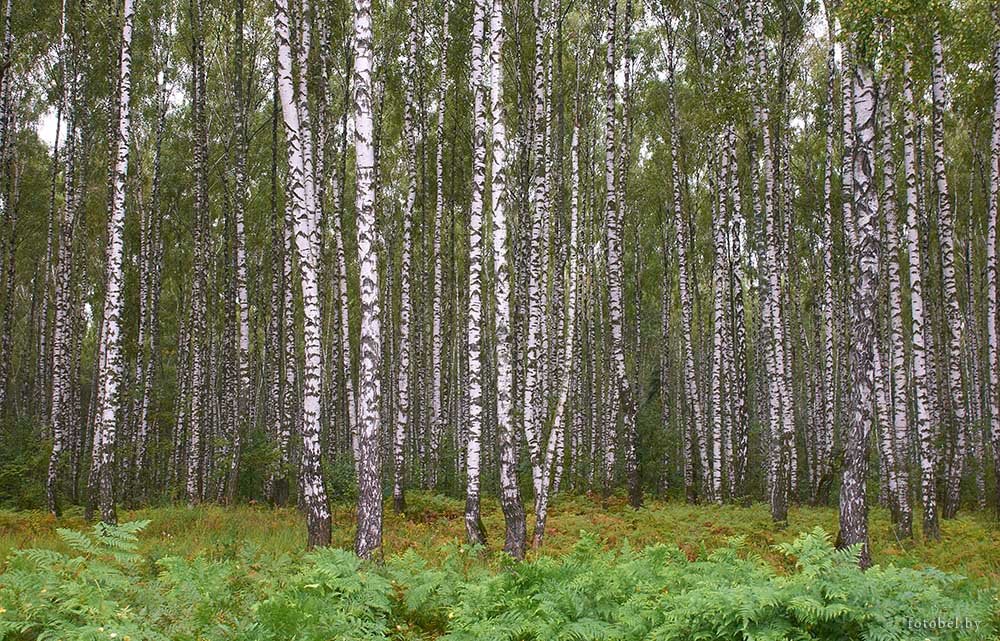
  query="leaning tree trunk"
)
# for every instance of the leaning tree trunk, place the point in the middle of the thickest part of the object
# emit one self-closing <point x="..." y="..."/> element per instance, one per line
<point x="853" y="503"/>
<point x="318" y="511"/>
<point x="111" y="366"/>
<point x="559" y="419"/>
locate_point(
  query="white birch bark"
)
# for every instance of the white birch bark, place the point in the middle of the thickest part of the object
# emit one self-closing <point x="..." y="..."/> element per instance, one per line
<point x="473" y="520"/>
<point x="993" y="336"/>
<point x="946" y="224"/>
<point x="560" y="417"/>
<point x="900" y="386"/>
<point x="110" y="376"/>
<point x="853" y="503"/>
<point x="510" y="494"/>
<point x="826" y="427"/>
<point x="59" y="407"/>
<point x="403" y="357"/>
<point x="925" y="429"/>
<point x="318" y="511"/>
<point x="437" y="343"/>
<point x="369" y="537"/>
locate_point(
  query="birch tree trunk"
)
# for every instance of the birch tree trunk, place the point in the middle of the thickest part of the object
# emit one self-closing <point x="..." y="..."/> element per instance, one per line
<point x="925" y="429"/>
<point x="510" y="494"/>
<point x="198" y="411"/>
<point x="369" y="538"/>
<point x="693" y="430"/>
<point x="853" y="503"/>
<point x="719" y="349"/>
<point x="560" y="418"/>
<point x="473" y="521"/>
<point x="303" y="222"/>
<point x="243" y="420"/>
<point x="946" y="224"/>
<point x="437" y="343"/>
<point x="59" y="407"/>
<point x="110" y="376"/>
<point x="993" y="336"/>
<point x="403" y="362"/>
<point x="900" y="387"/>
<point x="826" y="428"/>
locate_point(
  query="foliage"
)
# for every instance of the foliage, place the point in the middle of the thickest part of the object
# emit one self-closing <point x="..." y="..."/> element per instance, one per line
<point x="23" y="459"/>
<point x="105" y="588"/>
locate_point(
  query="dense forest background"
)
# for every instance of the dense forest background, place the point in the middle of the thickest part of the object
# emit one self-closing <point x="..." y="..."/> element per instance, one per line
<point x="299" y="252"/>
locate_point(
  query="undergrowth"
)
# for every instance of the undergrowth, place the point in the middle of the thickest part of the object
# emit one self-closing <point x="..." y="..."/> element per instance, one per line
<point x="103" y="587"/>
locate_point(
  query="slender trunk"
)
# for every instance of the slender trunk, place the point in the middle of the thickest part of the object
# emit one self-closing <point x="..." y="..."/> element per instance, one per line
<point x="993" y="336"/>
<point x="473" y="521"/>
<point x="900" y="386"/>
<point x="946" y="224"/>
<point x="510" y="494"/>
<point x="925" y="428"/>
<point x="559" y="419"/>
<point x="825" y="429"/>
<point x="369" y="537"/>
<point x="111" y="368"/>
<point x="403" y="361"/>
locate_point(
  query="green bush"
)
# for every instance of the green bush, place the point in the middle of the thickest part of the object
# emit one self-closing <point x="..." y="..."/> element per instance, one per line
<point x="23" y="464"/>
<point x="106" y="590"/>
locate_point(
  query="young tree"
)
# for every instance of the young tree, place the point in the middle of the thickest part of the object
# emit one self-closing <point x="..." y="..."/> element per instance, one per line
<point x="925" y="429"/>
<point x="473" y="520"/>
<point x="900" y="388"/>
<point x="110" y="376"/>
<point x="993" y="336"/>
<point x="946" y="225"/>
<point x="403" y="366"/>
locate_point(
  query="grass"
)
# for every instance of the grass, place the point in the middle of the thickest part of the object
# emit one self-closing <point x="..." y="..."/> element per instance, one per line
<point x="433" y="528"/>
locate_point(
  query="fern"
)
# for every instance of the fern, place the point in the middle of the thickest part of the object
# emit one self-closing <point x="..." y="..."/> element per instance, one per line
<point x="103" y="591"/>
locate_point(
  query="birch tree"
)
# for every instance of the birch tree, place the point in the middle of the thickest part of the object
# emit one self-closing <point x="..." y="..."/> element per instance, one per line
<point x="900" y="386"/>
<point x="403" y="366"/>
<point x="110" y="376"/>
<point x="369" y="537"/>
<point x="510" y="494"/>
<point x="318" y="511"/>
<point x="993" y="336"/>
<point x="953" y="311"/>
<point x="925" y="430"/>
<point x="853" y="500"/>
<point x="473" y="520"/>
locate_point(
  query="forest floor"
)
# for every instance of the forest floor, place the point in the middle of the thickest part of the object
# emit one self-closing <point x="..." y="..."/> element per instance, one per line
<point x="433" y="527"/>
